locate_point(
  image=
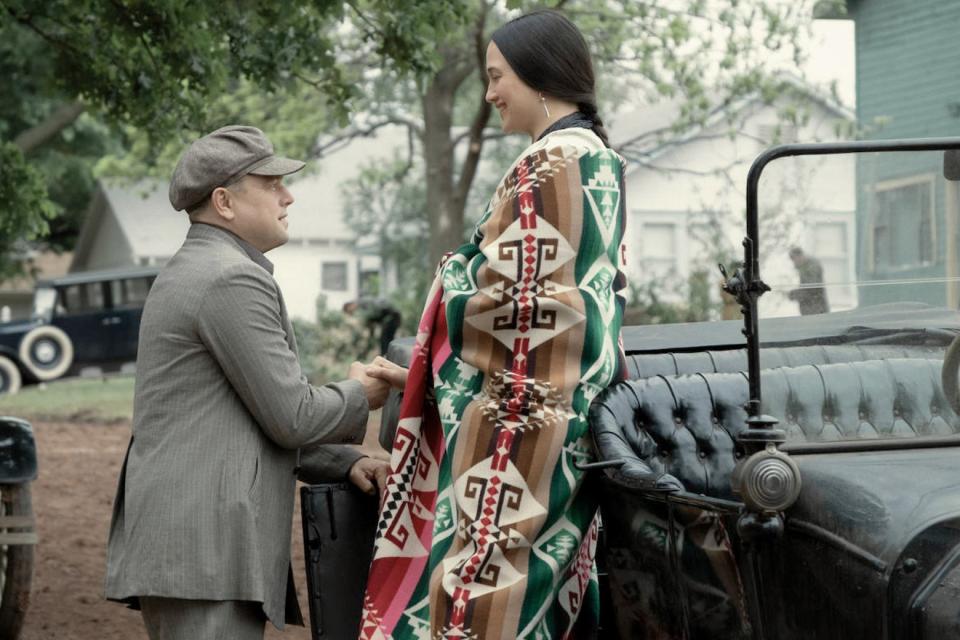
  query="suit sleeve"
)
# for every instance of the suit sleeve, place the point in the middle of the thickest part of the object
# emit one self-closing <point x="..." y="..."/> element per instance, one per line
<point x="241" y="325"/>
<point x="326" y="463"/>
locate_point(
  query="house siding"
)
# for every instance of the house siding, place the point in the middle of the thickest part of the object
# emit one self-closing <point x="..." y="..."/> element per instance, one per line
<point x="710" y="171"/>
<point x="907" y="66"/>
<point x="908" y="86"/>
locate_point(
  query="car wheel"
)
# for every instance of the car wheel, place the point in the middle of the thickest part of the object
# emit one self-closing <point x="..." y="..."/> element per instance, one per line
<point x="16" y="563"/>
<point x="9" y="376"/>
<point x="46" y="352"/>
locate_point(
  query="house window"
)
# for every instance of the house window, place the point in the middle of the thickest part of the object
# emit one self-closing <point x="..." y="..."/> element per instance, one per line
<point x="830" y="240"/>
<point x="659" y="251"/>
<point x="903" y="234"/>
<point x="333" y="276"/>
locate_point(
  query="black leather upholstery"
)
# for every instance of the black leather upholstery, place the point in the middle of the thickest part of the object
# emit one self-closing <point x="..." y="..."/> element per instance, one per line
<point x="647" y="365"/>
<point x="686" y="425"/>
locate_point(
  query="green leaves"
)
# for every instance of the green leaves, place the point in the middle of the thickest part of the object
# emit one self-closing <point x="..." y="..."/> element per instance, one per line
<point x="23" y="191"/>
<point x="27" y="208"/>
<point x="161" y="72"/>
<point x="164" y="71"/>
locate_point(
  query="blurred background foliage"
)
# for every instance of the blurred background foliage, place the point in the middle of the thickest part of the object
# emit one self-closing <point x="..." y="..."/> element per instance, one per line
<point x="98" y="88"/>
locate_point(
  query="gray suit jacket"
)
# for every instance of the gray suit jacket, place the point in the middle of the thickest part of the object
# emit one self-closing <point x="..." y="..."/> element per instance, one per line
<point x="205" y="500"/>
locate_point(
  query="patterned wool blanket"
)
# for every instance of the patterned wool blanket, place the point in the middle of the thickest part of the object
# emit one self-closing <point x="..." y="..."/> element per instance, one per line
<point x="484" y="529"/>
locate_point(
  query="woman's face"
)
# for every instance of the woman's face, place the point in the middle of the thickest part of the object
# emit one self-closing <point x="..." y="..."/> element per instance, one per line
<point x="518" y="104"/>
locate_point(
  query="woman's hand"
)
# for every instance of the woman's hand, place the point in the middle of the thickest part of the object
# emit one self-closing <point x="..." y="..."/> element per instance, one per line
<point x="393" y="374"/>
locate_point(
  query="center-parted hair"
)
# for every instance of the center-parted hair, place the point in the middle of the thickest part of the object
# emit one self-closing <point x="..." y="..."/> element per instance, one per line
<point x="549" y="54"/>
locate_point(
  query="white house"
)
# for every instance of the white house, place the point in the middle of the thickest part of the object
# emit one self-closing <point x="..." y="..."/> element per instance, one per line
<point x="686" y="194"/>
<point x="130" y="225"/>
<point x="685" y="197"/>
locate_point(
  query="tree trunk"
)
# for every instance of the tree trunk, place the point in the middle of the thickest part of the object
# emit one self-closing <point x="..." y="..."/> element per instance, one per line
<point x="59" y="120"/>
<point x="447" y="196"/>
<point x="445" y="222"/>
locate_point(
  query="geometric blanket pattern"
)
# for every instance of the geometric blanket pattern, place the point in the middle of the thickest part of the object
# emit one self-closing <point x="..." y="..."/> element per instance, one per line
<point x="486" y="529"/>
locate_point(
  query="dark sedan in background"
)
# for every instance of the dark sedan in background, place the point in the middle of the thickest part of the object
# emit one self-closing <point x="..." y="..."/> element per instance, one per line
<point x="87" y="319"/>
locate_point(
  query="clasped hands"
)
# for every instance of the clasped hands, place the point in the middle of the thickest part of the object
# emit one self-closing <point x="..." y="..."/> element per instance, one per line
<point x="370" y="473"/>
<point x="377" y="378"/>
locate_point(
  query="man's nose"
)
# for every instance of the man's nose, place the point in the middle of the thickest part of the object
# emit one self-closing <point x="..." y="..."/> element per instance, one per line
<point x="287" y="197"/>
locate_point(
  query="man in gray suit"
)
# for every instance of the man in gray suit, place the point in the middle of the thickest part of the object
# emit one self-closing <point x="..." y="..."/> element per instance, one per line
<point x="200" y="536"/>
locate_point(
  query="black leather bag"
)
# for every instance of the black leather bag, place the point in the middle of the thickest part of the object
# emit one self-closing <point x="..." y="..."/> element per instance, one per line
<point x="339" y="523"/>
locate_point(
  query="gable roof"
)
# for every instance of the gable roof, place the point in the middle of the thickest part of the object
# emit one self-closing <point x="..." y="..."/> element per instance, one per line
<point x="648" y="131"/>
<point x="145" y="216"/>
<point x="152" y="227"/>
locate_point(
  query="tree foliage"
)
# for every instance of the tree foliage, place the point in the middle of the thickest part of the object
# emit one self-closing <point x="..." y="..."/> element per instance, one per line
<point x="156" y="71"/>
<point x="159" y="71"/>
<point x="699" y="53"/>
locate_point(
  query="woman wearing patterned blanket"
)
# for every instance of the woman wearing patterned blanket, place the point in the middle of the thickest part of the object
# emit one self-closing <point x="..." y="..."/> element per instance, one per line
<point x="486" y="529"/>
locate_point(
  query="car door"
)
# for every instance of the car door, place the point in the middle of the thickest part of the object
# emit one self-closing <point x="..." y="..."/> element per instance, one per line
<point x="82" y="313"/>
<point x="127" y="296"/>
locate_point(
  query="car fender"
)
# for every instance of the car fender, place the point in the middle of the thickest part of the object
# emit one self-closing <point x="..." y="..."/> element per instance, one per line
<point x="18" y="451"/>
<point x="14" y="357"/>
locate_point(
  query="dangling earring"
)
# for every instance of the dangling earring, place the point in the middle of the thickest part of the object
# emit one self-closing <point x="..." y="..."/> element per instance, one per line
<point x="543" y="101"/>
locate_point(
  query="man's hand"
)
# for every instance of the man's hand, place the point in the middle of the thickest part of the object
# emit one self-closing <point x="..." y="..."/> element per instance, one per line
<point x="370" y="474"/>
<point x="375" y="388"/>
<point x="383" y="369"/>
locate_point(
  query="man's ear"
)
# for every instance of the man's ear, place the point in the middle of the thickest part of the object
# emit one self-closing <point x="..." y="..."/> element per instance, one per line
<point x="222" y="204"/>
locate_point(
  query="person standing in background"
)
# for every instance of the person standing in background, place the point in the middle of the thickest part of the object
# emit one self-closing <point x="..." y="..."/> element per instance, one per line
<point x="810" y="299"/>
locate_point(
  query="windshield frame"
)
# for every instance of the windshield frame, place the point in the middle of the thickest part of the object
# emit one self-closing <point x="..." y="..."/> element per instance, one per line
<point x="747" y="285"/>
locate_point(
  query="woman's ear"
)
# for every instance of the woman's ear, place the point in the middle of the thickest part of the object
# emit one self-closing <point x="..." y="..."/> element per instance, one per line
<point x="220" y="199"/>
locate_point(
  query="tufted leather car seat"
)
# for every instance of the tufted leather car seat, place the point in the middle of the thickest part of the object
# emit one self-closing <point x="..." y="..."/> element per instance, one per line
<point x="685" y="426"/>
<point x="647" y="365"/>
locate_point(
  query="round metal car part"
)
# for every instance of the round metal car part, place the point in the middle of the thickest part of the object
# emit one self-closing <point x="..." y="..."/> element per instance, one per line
<point x="949" y="374"/>
<point x="46" y="352"/>
<point x="9" y="376"/>
<point x="768" y="481"/>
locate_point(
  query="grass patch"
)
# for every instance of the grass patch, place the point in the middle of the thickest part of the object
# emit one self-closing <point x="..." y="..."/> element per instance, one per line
<point x="77" y="400"/>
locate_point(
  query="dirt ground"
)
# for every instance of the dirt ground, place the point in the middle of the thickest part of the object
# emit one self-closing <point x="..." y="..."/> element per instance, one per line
<point x="72" y="500"/>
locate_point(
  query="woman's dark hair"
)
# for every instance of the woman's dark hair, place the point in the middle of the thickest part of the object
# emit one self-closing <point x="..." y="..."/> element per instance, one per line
<point x="549" y="54"/>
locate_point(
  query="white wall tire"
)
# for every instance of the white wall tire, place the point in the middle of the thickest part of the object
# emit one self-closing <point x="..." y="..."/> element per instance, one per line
<point x="9" y="376"/>
<point x="46" y="352"/>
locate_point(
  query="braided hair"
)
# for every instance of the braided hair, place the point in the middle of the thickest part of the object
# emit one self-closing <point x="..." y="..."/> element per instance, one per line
<point x="549" y="54"/>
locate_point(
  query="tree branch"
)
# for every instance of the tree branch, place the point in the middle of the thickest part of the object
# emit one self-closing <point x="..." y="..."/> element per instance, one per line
<point x="374" y="28"/>
<point x="718" y="171"/>
<point x="59" y="120"/>
<point x="28" y="22"/>
<point x="348" y="134"/>
<point x="472" y="161"/>
<point x="488" y="134"/>
<point x="139" y="31"/>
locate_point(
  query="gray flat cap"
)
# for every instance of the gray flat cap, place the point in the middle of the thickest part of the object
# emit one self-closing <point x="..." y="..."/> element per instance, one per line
<point x="221" y="158"/>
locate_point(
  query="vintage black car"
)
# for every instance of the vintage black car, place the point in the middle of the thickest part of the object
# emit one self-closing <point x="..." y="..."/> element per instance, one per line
<point x="79" y="320"/>
<point x="782" y="475"/>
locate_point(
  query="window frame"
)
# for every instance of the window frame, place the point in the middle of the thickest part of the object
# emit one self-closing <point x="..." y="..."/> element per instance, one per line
<point x="346" y="275"/>
<point x="885" y="186"/>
